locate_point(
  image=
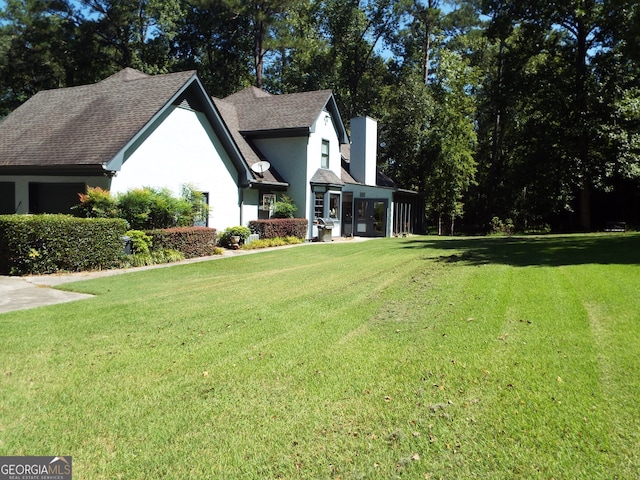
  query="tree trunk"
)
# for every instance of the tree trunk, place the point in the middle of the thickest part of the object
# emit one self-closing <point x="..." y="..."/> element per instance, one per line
<point x="427" y="14"/>
<point x="582" y="107"/>
<point x="585" y="205"/>
<point x="496" y="139"/>
<point x="427" y="47"/>
<point x="258" y="50"/>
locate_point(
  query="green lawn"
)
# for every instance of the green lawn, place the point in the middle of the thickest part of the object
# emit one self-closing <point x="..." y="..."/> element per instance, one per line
<point x="416" y="358"/>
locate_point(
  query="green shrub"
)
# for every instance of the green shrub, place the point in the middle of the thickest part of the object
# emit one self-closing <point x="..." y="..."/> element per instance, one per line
<point x="190" y="241"/>
<point x="145" y="208"/>
<point x="502" y="228"/>
<point x="171" y="256"/>
<point x="141" y="243"/>
<point x="280" y="227"/>
<point x="37" y="244"/>
<point x="154" y="257"/>
<point x="284" y="208"/>
<point x="96" y="203"/>
<point x="238" y="231"/>
<point x="149" y="208"/>
<point x="272" y="242"/>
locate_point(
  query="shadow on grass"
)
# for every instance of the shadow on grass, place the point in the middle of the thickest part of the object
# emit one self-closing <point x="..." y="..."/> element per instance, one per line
<point x="552" y="250"/>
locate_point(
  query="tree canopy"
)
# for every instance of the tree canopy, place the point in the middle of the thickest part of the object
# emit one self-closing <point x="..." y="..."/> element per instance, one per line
<point x="523" y="110"/>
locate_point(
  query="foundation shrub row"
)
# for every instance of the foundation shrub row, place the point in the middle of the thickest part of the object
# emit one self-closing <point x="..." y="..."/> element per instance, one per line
<point x="38" y="244"/>
<point x="280" y="228"/>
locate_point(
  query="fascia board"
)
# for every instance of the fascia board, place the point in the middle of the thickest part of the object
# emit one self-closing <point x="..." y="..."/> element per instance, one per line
<point x="341" y="131"/>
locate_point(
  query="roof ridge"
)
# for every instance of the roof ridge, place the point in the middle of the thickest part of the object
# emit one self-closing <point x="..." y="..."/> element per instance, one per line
<point x="125" y="75"/>
<point x="247" y="94"/>
<point x="131" y="74"/>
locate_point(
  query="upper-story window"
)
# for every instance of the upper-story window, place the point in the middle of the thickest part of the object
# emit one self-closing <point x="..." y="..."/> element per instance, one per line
<point x="324" y="162"/>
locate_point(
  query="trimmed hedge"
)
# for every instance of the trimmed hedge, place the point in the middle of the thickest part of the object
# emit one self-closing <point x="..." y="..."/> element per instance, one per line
<point x="190" y="241"/>
<point x="280" y="227"/>
<point x="37" y="244"/>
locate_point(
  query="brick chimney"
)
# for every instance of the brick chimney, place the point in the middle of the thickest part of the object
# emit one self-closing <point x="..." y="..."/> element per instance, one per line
<point x="364" y="149"/>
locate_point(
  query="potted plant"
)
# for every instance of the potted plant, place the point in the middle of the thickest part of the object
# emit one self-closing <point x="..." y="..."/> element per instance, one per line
<point x="232" y="237"/>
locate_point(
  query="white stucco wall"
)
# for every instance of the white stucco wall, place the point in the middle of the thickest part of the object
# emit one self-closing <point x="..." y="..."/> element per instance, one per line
<point x="364" y="147"/>
<point x="323" y="129"/>
<point x="184" y="149"/>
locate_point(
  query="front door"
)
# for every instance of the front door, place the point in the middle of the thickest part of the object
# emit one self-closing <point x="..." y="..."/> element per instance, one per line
<point x="370" y="217"/>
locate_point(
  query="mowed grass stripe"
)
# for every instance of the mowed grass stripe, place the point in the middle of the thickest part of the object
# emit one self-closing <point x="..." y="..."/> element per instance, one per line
<point x="610" y="297"/>
<point x="542" y="382"/>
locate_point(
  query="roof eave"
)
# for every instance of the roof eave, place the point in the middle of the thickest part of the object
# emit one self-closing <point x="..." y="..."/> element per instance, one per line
<point x="338" y="186"/>
<point x="277" y="132"/>
<point x="94" y="170"/>
<point x="261" y="185"/>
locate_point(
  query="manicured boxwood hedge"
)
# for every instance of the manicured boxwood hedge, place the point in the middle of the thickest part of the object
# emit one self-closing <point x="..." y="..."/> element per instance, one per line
<point x="36" y="244"/>
<point x="280" y="227"/>
<point x="190" y="241"/>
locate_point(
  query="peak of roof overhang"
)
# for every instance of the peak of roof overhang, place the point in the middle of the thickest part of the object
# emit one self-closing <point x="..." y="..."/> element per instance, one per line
<point x="125" y="75"/>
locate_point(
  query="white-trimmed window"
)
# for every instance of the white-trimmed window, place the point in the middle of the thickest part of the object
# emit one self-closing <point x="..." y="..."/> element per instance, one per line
<point x="201" y="217"/>
<point x="268" y="200"/>
<point x="334" y="206"/>
<point x="324" y="161"/>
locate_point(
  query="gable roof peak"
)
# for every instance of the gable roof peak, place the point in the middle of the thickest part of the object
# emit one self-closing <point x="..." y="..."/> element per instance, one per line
<point x="260" y="111"/>
<point x="247" y="94"/>
<point x="125" y="75"/>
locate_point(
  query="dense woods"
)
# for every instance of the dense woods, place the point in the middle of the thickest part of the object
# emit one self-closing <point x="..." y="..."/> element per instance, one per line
<point x="522" y="110"/>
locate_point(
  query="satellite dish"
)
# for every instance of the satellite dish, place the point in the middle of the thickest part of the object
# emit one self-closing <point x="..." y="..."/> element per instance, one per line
<point x="261" y="167"/>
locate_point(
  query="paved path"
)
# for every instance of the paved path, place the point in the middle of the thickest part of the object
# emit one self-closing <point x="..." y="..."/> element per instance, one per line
<point x="21" y="293"/>
<point x="17" y="293"/>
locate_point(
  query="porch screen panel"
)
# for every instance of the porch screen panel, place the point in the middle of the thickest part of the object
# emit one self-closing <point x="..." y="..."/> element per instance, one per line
<point x="7" y="198"/>
<point x="54" y="197"/>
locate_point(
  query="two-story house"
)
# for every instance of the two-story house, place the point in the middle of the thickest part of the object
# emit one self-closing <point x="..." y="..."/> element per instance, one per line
<point x="133" y="130"/>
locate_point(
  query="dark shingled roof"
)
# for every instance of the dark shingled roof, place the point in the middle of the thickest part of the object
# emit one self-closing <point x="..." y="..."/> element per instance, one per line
<point x="86" y="125"/>
<point x="325" y="177"/>
<point x="251" y="156"/>
<point x="259" y="111"/>
<point x="254" y="112"/>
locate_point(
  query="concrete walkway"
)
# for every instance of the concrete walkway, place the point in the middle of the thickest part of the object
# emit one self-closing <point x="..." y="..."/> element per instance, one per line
<point x="21" y="293"/>
<point x="18" y="293"/>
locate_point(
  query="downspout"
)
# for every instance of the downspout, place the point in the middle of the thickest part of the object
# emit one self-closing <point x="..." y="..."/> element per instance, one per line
<point x="241" y="197"/>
